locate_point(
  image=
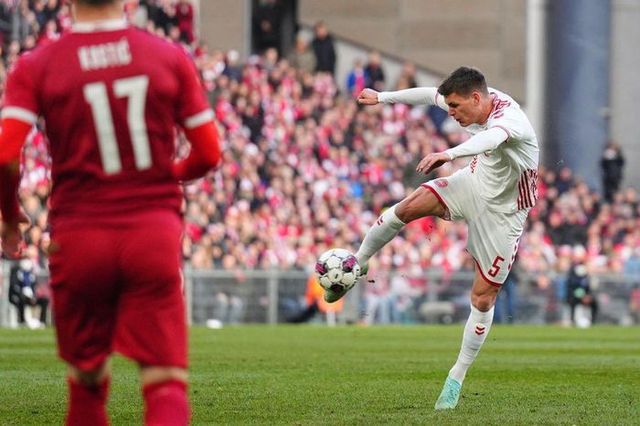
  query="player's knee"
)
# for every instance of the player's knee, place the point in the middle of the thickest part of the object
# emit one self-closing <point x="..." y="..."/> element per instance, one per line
<point x="483" y="302"/>
<point x="155" y="374"/>
<point x="90" y="378"/>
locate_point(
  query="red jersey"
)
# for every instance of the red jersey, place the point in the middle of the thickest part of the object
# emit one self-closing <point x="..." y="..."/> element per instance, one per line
<point x="111" y="97"/>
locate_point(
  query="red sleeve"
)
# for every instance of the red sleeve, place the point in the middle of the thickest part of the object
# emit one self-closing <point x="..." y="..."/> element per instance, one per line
<point x="20" y="97"/>
<point x="193" y="108"/>
<point x="204" y="156"/>
<point x="14" y="133"/>
<point x="19" y="113"/>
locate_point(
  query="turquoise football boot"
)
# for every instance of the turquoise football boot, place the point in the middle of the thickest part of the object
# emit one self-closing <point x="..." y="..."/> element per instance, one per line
<point x="449" y="396"/>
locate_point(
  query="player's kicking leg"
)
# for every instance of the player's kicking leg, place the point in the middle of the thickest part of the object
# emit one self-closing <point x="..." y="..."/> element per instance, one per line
<point x="422" y="202"/>
<point x="483" y="299"/>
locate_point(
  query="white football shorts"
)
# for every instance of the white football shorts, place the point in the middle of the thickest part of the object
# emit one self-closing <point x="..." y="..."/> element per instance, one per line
<point x="493" y="236"/>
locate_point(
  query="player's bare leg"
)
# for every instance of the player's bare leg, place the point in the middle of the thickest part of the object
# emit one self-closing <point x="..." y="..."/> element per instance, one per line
<point x="422" y="202"/>
<point x="165" y="395"/>
<point x="88" y="391"/>
<point x="151" y="375"/>
<point x="483" y="299"/>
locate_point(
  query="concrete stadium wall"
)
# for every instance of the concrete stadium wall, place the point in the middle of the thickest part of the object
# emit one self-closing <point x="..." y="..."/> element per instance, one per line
<point x="226" y="24"/>
<point x="439" y="35"/>
<point x="625" y="84"/>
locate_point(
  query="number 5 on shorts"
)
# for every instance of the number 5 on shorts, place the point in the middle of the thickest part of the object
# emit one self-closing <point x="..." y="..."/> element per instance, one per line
<point x="495" y="268"/>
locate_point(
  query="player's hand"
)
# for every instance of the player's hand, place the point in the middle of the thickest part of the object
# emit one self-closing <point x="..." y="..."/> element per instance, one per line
<point x="11" y="235"/>
<point x="432" y="162"/>
<point x="368" y="97"/>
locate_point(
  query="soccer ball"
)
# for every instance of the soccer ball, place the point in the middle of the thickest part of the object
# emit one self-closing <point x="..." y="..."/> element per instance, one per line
<point x="337" y="269"/>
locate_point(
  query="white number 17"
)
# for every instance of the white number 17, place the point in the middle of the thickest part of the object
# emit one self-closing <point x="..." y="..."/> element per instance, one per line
<point x="135" y="90"/>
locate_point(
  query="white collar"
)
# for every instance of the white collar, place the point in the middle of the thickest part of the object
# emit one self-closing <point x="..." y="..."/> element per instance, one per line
<point x="97" y="26"/>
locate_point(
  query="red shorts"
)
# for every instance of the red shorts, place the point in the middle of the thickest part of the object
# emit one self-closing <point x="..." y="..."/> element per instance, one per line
<point x="117" y="286"/>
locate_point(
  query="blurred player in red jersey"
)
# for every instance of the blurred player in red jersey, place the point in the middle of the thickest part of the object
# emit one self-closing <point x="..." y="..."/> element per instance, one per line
<point x="111" y="97"/>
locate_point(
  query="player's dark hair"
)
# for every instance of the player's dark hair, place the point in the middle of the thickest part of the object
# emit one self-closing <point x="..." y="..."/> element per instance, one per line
<point x="463" y="81"/>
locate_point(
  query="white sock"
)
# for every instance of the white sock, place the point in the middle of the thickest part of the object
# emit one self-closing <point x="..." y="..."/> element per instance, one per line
<point x="384" y="230"/>
<point x="475" y="332"/>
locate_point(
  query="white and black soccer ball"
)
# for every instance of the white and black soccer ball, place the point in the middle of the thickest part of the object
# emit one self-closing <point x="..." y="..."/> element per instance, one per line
<point x="337" y="269"/>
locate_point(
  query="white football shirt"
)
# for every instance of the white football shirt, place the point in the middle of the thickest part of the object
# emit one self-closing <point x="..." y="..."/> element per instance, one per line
<point x="505" y="176"/>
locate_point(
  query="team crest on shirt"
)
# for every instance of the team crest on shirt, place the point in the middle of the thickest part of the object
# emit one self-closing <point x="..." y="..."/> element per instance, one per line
<point x="441" y="183"/>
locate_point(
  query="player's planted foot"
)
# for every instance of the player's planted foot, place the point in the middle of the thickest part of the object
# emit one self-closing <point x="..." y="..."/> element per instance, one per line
<point x="449" y="396"/>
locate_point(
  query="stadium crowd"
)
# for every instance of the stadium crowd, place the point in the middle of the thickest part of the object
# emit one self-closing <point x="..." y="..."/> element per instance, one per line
<point x="305" y="168"/>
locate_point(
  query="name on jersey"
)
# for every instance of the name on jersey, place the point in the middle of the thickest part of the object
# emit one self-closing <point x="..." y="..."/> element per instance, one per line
<point x="107" y="55"/>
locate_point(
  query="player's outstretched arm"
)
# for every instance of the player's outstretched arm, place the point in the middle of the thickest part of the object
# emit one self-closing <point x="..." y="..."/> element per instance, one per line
<point x="204" y="156"/>
<point x="414" y="96"/>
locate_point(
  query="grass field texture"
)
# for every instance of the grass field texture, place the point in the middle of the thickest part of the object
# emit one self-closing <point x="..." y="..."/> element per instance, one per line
<point x="353" y="375"/>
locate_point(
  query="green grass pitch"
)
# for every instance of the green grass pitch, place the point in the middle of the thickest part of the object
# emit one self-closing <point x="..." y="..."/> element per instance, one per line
<point x="352" y="375"/>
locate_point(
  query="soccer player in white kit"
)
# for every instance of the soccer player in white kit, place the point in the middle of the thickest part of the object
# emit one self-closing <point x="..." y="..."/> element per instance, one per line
<point x="493" y="194"/>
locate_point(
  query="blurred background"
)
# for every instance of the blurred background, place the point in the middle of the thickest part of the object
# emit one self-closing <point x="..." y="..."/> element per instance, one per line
<point x="306" y="169"/>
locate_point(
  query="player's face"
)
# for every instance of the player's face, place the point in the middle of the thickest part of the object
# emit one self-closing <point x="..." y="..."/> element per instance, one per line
<point x="464" y="109"/>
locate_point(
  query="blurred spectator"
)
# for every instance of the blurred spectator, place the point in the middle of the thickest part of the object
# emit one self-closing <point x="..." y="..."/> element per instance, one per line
<point x="556" y="307"/>
<point x="267" y="18"/>
<point x="634" y="304"/>
<point x="323" y="49"/>
<point x="407" y="77"/>
<point x="24" y="22"/>
<point x="184" y="18"/>
<point x="374" y="72"/>
<point x="378" y="299"/>
<point x="301" y="57"/>
<point x="233" y="68"/>
<point x="314" y="299"/>
<point x="612" y="164"/>
<point x="136" y="12"/>
<point x="403" y="297"/>
<point x="270" y="61"/>
<point x="164" y="16"/>
<point x="227" y="309"/>
<point x="22" y="293"/>
<point x="43" y="296"/>
<point x="51" y="9"/>
<point x="579" y="290"/>
<point x="506" y="303"/>
<point x="564" y="181"/>
<point x="632" y="265"/>
<point x="357" y="78"/>
<point x="5" y="22"/>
